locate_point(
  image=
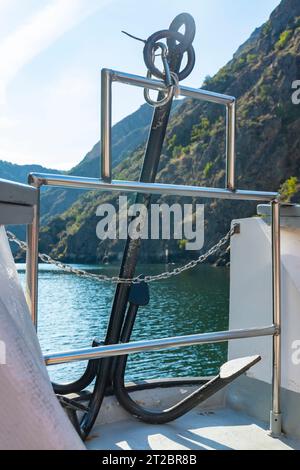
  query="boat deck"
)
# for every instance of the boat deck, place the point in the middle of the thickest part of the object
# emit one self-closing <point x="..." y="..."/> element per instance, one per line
<point x="221" y="429"/>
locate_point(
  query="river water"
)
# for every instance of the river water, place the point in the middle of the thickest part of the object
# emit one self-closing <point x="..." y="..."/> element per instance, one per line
<point x="73" y="311"/>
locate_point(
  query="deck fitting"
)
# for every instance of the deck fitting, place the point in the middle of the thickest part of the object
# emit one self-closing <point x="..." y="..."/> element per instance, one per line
<point x="275" y="425"/>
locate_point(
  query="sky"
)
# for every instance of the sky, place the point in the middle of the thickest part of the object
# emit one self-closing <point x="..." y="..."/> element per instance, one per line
<point x="52" y="51"/>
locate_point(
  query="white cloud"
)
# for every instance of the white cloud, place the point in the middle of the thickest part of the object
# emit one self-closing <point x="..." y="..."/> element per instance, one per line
<point x="39" y="32"/>
<point x="6" y="123"/>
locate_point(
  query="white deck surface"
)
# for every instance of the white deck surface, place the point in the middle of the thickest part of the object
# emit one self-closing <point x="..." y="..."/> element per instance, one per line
<point x="223" y="429"/>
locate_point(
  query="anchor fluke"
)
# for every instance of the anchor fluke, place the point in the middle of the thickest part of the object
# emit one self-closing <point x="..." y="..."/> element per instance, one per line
<point x="236" y="367"/>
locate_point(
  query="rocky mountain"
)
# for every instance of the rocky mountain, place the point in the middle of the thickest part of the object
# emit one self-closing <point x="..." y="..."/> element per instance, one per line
<point x="260" y="75"/>
<point x="19" y="173"/>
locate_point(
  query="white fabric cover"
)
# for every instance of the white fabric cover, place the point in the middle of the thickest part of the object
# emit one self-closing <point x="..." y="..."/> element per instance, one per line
<point x="30" y="415"/>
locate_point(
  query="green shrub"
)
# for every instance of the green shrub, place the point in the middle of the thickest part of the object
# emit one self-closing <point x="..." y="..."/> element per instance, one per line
<point x="177" y="151"/>
<point x="201" y="130"/>
<point x="251" y="58"/>
<point x="207" y="169"/>
<point x="284" y="38"/>
<point x="238" y="64"/>
<point x="182" y="244"/>
<point x="289" y="188"/>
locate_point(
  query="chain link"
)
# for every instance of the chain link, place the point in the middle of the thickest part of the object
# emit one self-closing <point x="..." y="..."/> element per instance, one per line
<point x="135" y="280"/>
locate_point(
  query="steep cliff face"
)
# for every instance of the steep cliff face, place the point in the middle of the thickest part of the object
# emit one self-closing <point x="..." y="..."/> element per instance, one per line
<point x="260" y="75"/>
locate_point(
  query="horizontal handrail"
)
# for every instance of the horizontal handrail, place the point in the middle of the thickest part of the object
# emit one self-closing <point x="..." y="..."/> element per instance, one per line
<point x="159" y="85"/>
<point x="99" y="352"/>
<point x="40" y="179"/>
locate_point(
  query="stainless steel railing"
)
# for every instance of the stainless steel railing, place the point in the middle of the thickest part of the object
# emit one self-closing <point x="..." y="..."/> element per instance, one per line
<point x="109" y="76"/>
<point x="39" y="179"/>
<point x="106" y="184"/>
<point x="155" y="345"/>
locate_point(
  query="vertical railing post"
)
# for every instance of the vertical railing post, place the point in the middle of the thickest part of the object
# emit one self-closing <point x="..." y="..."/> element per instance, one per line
<point x="106" y="123"/>
<point x="230" y="145"/>
<point x="275" y="419"/>
<point x="32" y="259"/>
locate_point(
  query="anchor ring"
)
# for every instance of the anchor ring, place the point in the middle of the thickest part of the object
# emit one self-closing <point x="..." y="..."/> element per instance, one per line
<point x="184" y="19"/>
<point x="151" y="44"/>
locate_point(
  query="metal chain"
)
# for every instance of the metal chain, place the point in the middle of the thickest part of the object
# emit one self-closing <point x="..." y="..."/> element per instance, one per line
<point x="135" y="280"/>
